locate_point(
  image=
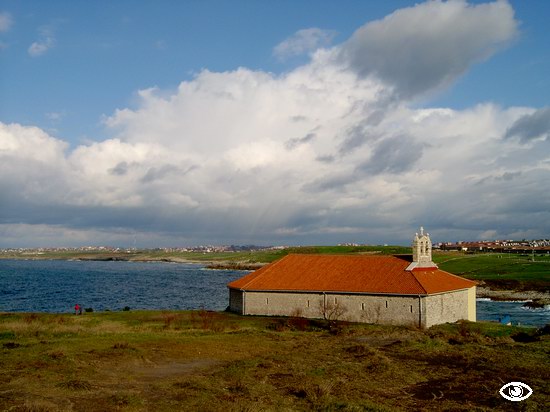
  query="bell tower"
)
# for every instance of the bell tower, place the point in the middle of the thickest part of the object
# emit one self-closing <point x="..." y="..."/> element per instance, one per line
<point x="422" y="251"/>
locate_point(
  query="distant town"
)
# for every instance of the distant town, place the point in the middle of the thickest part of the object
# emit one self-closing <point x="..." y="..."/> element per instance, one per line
<point x="499" y="246"/>
<point x="495" y="246"/>
<point x="112" y="249"/>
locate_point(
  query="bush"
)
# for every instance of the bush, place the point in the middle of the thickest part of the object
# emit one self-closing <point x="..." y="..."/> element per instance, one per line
<point x="89" y="310"/>
<point x="207" y="320"/>
<point x="297" y="320"/>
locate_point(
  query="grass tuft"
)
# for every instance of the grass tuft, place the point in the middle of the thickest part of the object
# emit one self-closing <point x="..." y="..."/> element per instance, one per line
<point x="35" y="406"/>
<point x="76" y="384"/>
<point x="121" y="345"/>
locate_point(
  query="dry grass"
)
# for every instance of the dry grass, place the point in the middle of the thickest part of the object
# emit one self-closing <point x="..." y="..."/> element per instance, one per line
<point x="164" y="361"/>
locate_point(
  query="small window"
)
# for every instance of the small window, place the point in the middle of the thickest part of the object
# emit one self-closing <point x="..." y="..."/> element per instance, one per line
<point x="386" y="304"/>
<point x="335" y="302"/>
<point x="411" y="308"/>
<point x="267" y="301"/>
<point x="308" y="303"/>
<point x="362" y="306"/>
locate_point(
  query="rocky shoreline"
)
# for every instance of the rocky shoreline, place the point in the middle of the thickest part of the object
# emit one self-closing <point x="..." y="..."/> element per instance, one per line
<point x="235" y="265"/>
<point x="538" y="299"/>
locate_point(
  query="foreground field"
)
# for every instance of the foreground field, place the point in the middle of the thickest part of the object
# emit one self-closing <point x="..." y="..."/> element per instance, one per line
<point x="165" y="361"/>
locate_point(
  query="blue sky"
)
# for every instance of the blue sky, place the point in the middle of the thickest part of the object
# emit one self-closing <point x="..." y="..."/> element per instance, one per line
<point x="272" y="122"/>
<point x="102" y="53"/>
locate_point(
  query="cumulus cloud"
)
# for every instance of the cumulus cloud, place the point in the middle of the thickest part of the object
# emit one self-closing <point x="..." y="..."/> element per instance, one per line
<point x="323" y="153"/>
<point x="531" y="126"/>
<point x="393" y="155"/>
<point x="46" y="40"/>
<point x="429" y="45"/>
<point x="303" y="41"/>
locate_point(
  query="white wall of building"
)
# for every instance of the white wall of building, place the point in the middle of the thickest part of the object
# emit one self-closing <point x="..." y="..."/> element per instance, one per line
<point x="424" y="311"/>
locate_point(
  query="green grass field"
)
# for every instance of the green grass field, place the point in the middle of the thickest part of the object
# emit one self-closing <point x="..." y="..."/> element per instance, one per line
<point x="205" y="361"/>
<point x="520" y="272"/>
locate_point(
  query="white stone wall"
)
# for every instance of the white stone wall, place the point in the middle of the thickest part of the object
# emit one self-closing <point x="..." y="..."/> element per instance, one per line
<point x="283" y="304"/>
<point x="449" y="307"/>
<point x="472" y="310"/>
<point x="396" y="310"/>
<point x="236" y="301"/>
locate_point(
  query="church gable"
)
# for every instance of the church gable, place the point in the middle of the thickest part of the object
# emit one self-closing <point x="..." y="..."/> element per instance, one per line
<point x="422" y="252"/>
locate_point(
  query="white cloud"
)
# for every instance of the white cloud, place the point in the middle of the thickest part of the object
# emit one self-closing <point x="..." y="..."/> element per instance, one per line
<point x="44" y="43"/>
<point x="531" y="126"/>
<point x="56" y="117"/>
<point x="303" y="41"/>
<point x="320" y="154"/>
<point x="6" y="21"/>
<point x="429" y="45"/>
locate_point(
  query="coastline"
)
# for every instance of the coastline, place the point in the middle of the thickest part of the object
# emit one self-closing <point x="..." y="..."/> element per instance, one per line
<point x="209" y="264"/>
<point x="513" y="295"/>
<point x="482" y="291"/>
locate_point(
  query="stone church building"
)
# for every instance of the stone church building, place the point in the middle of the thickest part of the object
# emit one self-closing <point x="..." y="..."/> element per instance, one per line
<point x="397" y="290"/>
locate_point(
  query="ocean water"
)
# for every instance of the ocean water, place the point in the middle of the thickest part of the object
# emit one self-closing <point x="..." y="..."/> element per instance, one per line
<point x="55" y="286"/>
<point x="493" y="311"/>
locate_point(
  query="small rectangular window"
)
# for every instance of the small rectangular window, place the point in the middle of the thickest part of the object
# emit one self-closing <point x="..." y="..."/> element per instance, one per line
<point x="386" y="303"/>
<point x="267" y="301"/>
<point x="411" y="308"/>
<point x="362" y="306"/>
<point x="308" y="303"/>
<point x="335" y="302"/>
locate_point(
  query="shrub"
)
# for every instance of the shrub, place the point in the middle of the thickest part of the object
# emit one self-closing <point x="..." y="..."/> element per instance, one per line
<point x="76" y="384"/>
<point x="168" y="319"/>
<point x="56" y="355"/>
<point x="297" y="321"/>
<point x="31" y="317"/>
<point x="210" y="320"/>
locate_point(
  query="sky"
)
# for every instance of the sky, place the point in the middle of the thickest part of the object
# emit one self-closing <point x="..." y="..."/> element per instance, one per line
<point x="152" y="124"/>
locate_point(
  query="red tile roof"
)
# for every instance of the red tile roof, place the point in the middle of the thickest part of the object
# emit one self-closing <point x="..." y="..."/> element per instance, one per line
<point x="349" y="273"/>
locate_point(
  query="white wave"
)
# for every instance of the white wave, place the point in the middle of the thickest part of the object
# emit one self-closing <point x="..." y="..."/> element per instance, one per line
<point x="546" y="308"/>
<point x="502" y="301"/>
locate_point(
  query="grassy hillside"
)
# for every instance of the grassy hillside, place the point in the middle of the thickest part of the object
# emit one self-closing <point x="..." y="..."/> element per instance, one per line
<point x="261" y="256"/>
<point x="520" y="272"/>
<point x="165" y="361"/>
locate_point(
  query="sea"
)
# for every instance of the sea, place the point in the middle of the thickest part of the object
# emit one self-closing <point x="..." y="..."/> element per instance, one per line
<point x="55" y="286"/>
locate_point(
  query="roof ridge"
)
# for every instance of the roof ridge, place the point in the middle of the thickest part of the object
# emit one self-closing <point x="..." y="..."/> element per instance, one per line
<point x="466" y="283"/>
<point x="457" y="276"/>
<point x="411" y="272"/>
<point x="260" y="272"/>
